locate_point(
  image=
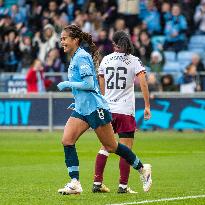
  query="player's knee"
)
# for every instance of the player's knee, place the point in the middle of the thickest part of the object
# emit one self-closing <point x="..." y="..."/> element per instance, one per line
<point x="66" y="141"/>
<point x="110" y="149"/>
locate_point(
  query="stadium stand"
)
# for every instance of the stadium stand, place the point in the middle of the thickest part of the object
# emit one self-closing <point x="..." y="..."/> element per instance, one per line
<point x="30" y="30"/>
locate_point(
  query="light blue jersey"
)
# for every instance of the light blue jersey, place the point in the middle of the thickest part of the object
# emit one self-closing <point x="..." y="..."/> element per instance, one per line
<point x="86" y="101"/>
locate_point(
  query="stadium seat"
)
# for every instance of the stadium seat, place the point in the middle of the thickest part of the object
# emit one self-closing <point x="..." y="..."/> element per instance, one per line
<point x="199" y="51"/>
<point x="197" y="41"/>
<point x="170" y="67"/>
<point x="184" y="56"/>
<point x="170" y="56"/>
<point x="157" y="40"/>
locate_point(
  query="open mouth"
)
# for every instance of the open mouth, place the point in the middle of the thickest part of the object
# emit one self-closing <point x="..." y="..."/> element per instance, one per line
<point x="64" y="47"/>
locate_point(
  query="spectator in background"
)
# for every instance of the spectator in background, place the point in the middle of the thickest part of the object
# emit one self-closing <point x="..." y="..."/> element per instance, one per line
<point x="52" y="8"/>
<point x="80" y="19"/>
<point x="35" y="78"/>
<point x="28" y="52"/>
<point x="1" y="55"/>
<point x="80" y="5"/>
<point x="196" y="61"/>
<point x="119" y="25"/>
<point x="135" y="36"/>
<point x="199" y="18"/>
<point x="18" y="16"/>
<point x="129" y="11"/>
<point x="145" y="48"/>
<point x="152" y="19"/>
<point x="153" y="84"/>
<point x="59" y="22"/>
<point x="6" y="25"/>
<point x="175" y="31"/>
<point x="68" y="7"/>
<point x="188" y="9"/>
<point x="167" y="83"/>
<point x="104" y="44"/>
<point x="108" y="9"/>
<point x="11" y="51"/>
<point x="54" y="64"/>
<point x="35" y="15"/>
<point x="93" y="24"/>
<point x="157" y="61"/>
<point x="165" y="14"/>
<point x="189" y="82"/>
<point x="51" y="41"/>
<point x="3" y="10"/>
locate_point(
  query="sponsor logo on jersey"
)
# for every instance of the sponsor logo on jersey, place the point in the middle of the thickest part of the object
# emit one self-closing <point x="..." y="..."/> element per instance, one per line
<point x="85" y="66"/>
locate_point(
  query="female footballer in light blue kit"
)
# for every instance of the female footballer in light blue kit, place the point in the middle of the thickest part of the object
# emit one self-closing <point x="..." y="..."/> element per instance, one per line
<point x="91" y="109"/>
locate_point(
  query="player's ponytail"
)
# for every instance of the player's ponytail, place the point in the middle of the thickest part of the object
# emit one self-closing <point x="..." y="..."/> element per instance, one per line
<point x="75" y="32"/>
<point x="86" y="37"/>
<point x="122" y="40"/>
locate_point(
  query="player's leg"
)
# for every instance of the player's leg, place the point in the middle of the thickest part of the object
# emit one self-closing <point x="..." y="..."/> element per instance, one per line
<point x="125" y="127"/>
<point x="100" y="121"/>
<point x="74" y="128"/>
<point x="100" y="163"/>
<point x="126" y="139"/>
<point x="105" y="134"/>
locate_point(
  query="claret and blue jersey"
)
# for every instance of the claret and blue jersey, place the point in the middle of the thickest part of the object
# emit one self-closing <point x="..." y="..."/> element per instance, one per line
<point x="86" y="101"/>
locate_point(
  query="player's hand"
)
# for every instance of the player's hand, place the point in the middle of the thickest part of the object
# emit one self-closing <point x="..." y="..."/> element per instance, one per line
<point x="61" y="86"/>
<point x="147" y="113"/>
<point x="71" y="106"/>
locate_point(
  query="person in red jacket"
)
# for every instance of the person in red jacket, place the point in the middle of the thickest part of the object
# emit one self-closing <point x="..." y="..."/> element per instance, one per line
<point x="35" y="78"/>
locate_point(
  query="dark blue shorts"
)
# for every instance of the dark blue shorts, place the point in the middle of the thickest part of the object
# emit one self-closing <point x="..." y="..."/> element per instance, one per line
<point x="95" y="119"/>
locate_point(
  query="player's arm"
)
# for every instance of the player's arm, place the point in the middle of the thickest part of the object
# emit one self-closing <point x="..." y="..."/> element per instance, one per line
<point x="101" y="80"/>
<point x="87" y="83"/>
<point x="145" y="91"/>
<point x="85" y="70"/>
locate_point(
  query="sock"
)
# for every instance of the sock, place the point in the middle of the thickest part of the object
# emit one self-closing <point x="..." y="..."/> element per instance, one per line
<point x="124" y="171"/>
<point x="100" y="163"/>
<point x="71" y="160"/>
<point x="126" y="153"/>
<point x="123" y="186"/>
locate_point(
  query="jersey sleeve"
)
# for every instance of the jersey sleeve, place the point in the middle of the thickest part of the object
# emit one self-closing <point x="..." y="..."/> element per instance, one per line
<point x="101" y="67"/>
<point x="85" y="66"/>
<point x="139" y="67"/>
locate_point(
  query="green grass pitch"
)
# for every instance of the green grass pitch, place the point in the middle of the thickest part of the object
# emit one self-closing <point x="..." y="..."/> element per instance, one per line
<point x="32" y="169"/>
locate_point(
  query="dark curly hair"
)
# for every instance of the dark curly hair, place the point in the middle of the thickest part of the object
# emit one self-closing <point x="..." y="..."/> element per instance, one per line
<point x="74" y="31"/>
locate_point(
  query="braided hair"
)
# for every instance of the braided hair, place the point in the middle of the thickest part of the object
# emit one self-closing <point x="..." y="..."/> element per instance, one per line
<point x="75" y="32"/>
<point x="122" y="40"/>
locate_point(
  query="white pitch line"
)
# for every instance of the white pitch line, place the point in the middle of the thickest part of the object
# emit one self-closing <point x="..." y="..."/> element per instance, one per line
<point x="163" y="199"/>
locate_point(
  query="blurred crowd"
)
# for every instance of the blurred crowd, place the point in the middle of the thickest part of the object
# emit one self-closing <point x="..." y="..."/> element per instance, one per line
<point x="30" y="29"/>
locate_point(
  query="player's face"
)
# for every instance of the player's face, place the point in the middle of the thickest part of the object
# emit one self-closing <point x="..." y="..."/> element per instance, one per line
<point x="68" y="44"/>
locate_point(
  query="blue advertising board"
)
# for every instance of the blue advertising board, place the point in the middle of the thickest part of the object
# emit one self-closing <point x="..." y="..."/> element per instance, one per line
<point x="167" y="113"/>
<point x="60" y="111"/>
<point x="23" y="112"/>
<point x="173" y="113"/>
